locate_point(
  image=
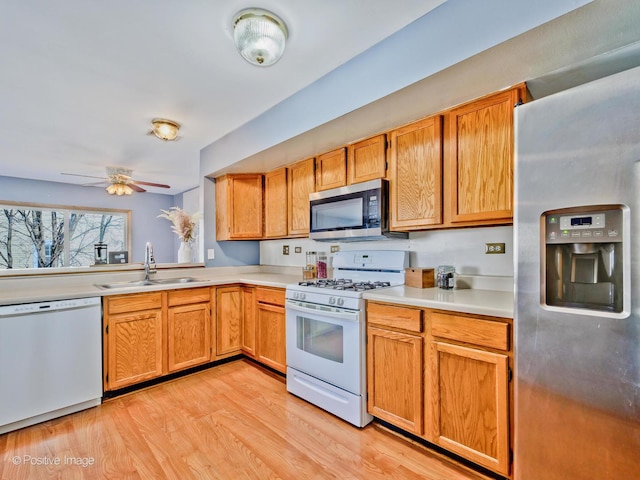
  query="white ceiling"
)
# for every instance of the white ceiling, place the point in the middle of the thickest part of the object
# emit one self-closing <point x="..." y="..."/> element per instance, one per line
<point x="81" y="80"/>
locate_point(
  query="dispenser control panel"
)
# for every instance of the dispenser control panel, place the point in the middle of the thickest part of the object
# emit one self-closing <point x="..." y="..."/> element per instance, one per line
<point x="584" y="226"/>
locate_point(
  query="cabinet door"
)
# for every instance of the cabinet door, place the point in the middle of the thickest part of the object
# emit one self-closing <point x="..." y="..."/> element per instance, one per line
<point x="228" y="320"/>
<point x="415" y="187"/>
<point x="470" y="402"/>
<point x="188" y="336"/>
<point x="239" y="207"/>
<point x="271" y="341"/>
<point x="134" y="348"/>
<point x="275" y="203"/>
<point x="249" y="321"/>
<point x="394" y="378"/>
<point x="331" y="170"/>
<point x="480" y="161"/>
<point x="301" y="182"/>
<point x="367" y="160"/>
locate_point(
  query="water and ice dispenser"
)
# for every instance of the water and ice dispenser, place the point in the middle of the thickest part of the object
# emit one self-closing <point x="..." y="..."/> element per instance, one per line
<point x="582" y="264"/>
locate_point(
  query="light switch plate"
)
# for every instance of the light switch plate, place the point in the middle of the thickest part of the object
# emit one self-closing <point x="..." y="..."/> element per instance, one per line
<point x="211" y="254"/>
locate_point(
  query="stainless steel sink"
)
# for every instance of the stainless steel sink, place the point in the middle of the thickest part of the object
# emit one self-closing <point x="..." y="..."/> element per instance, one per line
<point x="144" y="283"/>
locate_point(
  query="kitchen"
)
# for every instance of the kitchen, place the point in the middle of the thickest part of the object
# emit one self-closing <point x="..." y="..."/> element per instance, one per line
<point x="463" y="248"/>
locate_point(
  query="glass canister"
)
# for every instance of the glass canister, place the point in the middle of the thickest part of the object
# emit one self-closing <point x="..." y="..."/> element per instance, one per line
<point x="445" y="277"/>
<point x="310" y="266"/>
<point x="321" y="265"/>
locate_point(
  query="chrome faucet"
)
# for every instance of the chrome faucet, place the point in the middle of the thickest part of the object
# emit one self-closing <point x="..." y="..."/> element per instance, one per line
<point x="148" y="260"/>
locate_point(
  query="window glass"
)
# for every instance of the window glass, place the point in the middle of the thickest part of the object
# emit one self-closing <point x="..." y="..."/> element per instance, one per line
<point x="43" y="237"/>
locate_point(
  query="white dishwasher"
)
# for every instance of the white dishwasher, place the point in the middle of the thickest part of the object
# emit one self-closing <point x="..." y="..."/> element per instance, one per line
<point x="50" y="360"/>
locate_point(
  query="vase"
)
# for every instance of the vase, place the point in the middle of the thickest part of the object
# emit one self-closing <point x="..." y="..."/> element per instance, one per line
<point x="184" y="253"/>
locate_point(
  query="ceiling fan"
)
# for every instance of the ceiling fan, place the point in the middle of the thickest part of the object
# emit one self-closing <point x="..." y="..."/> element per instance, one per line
<point x="120" y="182"/>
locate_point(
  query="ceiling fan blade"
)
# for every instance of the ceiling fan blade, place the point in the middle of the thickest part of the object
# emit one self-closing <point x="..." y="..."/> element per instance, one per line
<point x="136" y="187"/>
<point x="87" y="176"/>
<point x="93" y="184"/>
<point x="161" y="185"/>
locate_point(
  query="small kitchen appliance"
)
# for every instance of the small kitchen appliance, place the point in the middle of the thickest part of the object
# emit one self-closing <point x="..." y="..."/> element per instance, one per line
<point x="326" y="331"/>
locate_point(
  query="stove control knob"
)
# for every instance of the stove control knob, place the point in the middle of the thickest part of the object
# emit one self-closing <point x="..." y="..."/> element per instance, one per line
<point x="302" y="296"/>
<point x="341" y="301"/>
<point x="332" y="300"/>
<point x="295" y="295"/>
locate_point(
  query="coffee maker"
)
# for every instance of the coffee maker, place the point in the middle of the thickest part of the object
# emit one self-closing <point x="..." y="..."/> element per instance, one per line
<point x="582" y="259"/>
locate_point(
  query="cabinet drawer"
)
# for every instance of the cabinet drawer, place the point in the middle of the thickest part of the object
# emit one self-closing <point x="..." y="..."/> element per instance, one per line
<point x="134" y="302"/>
<point x="395" y="317"/>
<point x="270" y="295"/>
<point x="485" y="333"/>
<point x="189" y="295"/>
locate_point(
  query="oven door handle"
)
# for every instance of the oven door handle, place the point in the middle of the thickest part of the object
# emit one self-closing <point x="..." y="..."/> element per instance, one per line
<point x="343" y="315"/>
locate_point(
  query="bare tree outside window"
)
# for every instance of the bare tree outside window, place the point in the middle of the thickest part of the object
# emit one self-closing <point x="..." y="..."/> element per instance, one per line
<point x="38" y="237"/>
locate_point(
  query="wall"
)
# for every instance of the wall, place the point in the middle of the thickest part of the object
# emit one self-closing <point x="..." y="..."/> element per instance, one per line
<point x="145" y="208"/>
<point x="464" y="248"/>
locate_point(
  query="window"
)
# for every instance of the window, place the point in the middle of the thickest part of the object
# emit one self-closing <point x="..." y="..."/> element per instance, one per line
<point x="45" y="236"/>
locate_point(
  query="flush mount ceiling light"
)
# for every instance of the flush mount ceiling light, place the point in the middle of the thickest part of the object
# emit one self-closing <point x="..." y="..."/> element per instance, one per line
<point x="164" y="129"/>
<point x="260" y="36"/>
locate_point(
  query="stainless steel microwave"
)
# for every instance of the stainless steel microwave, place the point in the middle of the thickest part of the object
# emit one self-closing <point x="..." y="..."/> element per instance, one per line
<point x="355" y="212"/>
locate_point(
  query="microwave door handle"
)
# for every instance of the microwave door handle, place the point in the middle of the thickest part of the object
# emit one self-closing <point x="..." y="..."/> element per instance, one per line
<point x="348" y="316"/>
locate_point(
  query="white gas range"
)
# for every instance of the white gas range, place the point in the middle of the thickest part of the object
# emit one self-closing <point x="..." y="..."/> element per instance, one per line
<point x="326" y="332"/>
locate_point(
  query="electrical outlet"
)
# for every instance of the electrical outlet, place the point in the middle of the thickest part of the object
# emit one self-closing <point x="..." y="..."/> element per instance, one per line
<point x="298" y="249"/>
<point x="491" y="248"/>
<point x="285" y="249"/>
<point x="211" y="254"/>
<point x="335" y="248"/>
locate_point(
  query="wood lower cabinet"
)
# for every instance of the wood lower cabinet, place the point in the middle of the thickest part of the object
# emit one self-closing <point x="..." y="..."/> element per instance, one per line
<point x="395" y="365"/>
<point x="331" y="170"/>
<point x="470" y="388"/>
<point x="148" y="335"/>
<point x="444" y="377"/>
<point x="367" y="159"/>
<point x="134" y="342"/>
<point x="249" y="307"/>
<point x="415" y="175"/>
<point x="228" y="320"/>
<point x="270" y="328"/>
<point x="188" y="328"/>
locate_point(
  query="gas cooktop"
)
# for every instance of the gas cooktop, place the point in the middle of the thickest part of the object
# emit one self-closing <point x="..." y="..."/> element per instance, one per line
<point x="344" y="284"/>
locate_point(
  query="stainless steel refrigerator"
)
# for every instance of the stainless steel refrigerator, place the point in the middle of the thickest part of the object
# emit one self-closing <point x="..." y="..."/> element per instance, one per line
<point x="577" y="268"/>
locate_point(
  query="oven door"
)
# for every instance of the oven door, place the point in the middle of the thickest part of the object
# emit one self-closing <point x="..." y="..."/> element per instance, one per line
<point x="326" y="344"/>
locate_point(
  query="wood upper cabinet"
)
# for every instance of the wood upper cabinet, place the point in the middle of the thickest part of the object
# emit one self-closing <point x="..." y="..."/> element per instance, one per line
<point x="395" y="366"/>
<point x="270" y="319"/>
<point x="415" y="175"/>
<point x="367" y="160"/>
<point x="249" y="327"/>
<point x="301" y="182"/>
<point x="134" y="344"/>
<point x="470" y="389"/>
<point x="188" y="328"/>
<point x="228" y="320"/>
<point x="239" y="207"/>
<point x="275" y="203"/>
<point x="480" y="157"/>
<point x="331" y="169"/>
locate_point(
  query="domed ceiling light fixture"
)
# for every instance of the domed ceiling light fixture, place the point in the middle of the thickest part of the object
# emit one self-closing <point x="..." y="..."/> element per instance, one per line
<point x="260" y="36"/>
<point x="164" y="129"/>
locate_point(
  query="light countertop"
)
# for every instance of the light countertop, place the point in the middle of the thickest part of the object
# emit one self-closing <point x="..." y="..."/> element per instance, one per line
<point x="27" y="289"/>
<point x="494" y="303"/>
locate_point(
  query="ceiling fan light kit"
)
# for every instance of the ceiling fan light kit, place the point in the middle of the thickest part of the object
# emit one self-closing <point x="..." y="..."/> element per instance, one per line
<point x="164" y="129"/>
<point x="119" y="189"/>
<point x="260" y="36"/>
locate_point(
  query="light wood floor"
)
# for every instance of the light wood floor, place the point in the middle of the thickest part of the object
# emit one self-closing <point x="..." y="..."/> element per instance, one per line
<point x="234" y="421"/>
